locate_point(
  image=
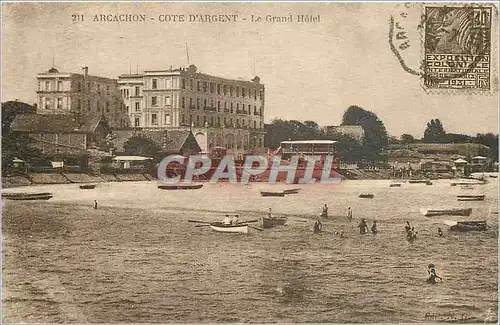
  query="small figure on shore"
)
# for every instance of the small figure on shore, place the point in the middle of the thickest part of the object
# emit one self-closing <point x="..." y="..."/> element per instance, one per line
<point x="440" y="232"/>
<point x="269" y="213"/>
<point x="374" y="227"/>
<point x="363" y="227"/>
<point x="407" y="227"/>
<point x="95" y="204"/>
<point x="234" y="221"/>
<point x="349" y="213"/>
<point x="431" y="274"/>
<point x="318" y="226"/>
<point x="324" y="212"/>
<point x="227" y="221"/>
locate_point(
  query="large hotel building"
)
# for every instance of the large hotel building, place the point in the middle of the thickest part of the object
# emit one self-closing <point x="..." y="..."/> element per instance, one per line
<point x="80" y="94"/>
<point x="221" y="112"/>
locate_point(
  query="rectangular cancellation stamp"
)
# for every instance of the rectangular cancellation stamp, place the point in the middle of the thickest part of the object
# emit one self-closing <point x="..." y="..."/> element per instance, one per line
<point x="457" y="47"/>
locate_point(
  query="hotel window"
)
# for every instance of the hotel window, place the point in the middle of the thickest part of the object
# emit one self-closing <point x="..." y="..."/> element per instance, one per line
<point x="218" y="89"/>
<point x="98" y="106"/>
<point x="204" y="103"/>
<point x="88" y="86"/>
<point x="59" y="103"/>
<point x="79" y="104"/>
<point x="231" y="90"/>
<point x="197" y="120"/>
<point x="243" y="108"/>
<point x="154" y="119"/>
<point x="191" y="84"/>
<point x="212" y="103"/>
<point x="218" y="106"/>
<point x="155" y="84"/>
<point x="242" y="92"/>
<point x="211" y="121"/>
<point x="199" y="85"/>
<point x="136" y="91"/>
<point x="225" y="122"/>
<point x="107" y="107"/>
<point x="225" y="106"/>
<point x="89" y="107"/>
<point x="78" y="86"/>
<point x="261" y="95"/>
<point x="204" y="120"/>
<point x="107" y="90"/>
<point x="231" y="107"/>
<point x="237" y="108"/>
<point x="190" y="102"/>
<point x="47" y="85"/>
<point x="255" y="94"/>
<point x="205" y="87"/>
<point x="237" y="91"/>
<point x="59" y="86"/>
<point x="183" y="84"/>
<point x="197" y="103"/>
<point x="167" y="120"/>
<point x="212" y="87"/>
<point x="183" y="119"/>
<point x="137" y="107"/>
<point x="168" y="100"/>
<point x="154" y="101"/>
<point x="225" y="89"/>
<point x="137" y="121"/>
<point x="218" y="120"/>
<point x="98" y="88"/>
<point x="183" y="102"/>
<point x="127" y="109"/>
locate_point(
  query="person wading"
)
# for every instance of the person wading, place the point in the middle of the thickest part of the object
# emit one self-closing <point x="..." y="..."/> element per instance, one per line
<point x="363" y="227"/>
<point x="324" y="212"/>
<point x="374" y="227"/>
<point x="318" y="226"/>
<point x="95" y="204"/>
<point x="431" y="274"/>
<point x="349" y="213"/>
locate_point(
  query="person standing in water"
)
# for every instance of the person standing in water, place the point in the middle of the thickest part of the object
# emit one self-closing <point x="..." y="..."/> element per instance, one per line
<point x="269" y="213"/>
<point x="363" y="227"/>
<point x="318" y="226"/>
<point x="95" y="204"/>
<point x="349" y="213"/>
<point x="440" y="232"/>
<point x="431" y="274"/>
<point x="324" y="212"/>
<point x="374" y="227"/>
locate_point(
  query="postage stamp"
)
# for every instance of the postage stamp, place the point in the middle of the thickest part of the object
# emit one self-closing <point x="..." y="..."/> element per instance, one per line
<point x="457" y="47"/>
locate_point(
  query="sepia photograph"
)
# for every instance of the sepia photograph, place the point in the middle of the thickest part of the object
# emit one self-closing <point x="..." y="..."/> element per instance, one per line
<point x="249" y="162"/>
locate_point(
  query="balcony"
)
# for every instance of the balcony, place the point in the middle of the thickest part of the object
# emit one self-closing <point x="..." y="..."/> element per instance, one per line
<point x="210" y="109"/>
<point x="226" y="110"/>
<point x="241" y="112"/>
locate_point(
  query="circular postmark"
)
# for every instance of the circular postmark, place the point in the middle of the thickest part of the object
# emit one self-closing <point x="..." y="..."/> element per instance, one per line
<point x="446" y="46"/>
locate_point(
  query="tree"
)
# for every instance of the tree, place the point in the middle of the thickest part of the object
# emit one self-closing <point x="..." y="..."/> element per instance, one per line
<point x="349" y="150"/>
<point x="434" y="132"/>
<point x="14" y="145"/>
<point x="141" y="145"/>
<point x="407" y="138"/>
<point x="490" y="140"/>
<point x="376" y="139"/>
<point x="282" y="130"/>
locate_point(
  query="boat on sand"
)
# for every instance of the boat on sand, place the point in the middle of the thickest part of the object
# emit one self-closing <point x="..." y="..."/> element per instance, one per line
<point x="366" y="195"/>
<point x="267" y="193"/>
<point x="446" y="211"/>
<point x="27" y="196"/>
<point x="292" y="191"/>
<point x="87" y="186"/>
<point x="180" y="186"/>
<point x="470" y="197"/>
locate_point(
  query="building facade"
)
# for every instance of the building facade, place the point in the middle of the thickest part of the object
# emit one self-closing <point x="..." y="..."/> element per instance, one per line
<point x="222" y="112"/>
<point x="82" y="94"/>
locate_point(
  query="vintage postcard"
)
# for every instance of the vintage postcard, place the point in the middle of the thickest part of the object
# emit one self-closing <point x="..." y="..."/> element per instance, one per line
<point x="249" y="162"/>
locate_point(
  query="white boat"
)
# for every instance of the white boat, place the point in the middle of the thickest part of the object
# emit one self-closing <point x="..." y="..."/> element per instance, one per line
<point x="471" y="197"/>
<point x="446" y="211"/>
<point x="220" y="227"/>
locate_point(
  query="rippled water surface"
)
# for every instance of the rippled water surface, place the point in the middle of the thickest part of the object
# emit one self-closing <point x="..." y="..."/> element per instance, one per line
<point x="137" y="259"/>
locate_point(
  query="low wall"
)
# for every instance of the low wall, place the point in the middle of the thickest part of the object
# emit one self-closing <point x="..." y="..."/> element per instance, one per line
<point x="39" y="178"/>
<point x="131" y="177"/>
<point x="14" y="181"/>
<point x="83" y="178"/>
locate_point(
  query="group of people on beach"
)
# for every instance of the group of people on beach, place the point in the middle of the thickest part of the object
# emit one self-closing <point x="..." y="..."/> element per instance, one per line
<point x="411" y="234"/>
<point x="363" y="227"/>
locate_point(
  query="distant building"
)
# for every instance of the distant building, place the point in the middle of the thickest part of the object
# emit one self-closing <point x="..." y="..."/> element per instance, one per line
<point x="221" y="112"/>
<point x="353" y="131"/>
<point x="82" y="94"/>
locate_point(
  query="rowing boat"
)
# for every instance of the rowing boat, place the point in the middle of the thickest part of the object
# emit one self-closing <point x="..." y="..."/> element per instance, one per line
<point x="470" y="197"/>
<point x="395" y="185"/>
<point x="366" y="196"/>
<point x="269" y="222"/>
<point x="221" y="227"/>
<point x="87" y="186"/>
<point x="180" y="186"/>
<point x="292" y="191"/>
<point x="446" y="211"/>
<point x="418" y="181"/>
<point x="27" y="196"/>
<point x="280" y="194"/>
<point x="467" y="225"/>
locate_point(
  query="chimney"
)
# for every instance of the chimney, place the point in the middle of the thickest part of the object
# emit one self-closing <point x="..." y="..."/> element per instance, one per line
<point x="85" y="71"/>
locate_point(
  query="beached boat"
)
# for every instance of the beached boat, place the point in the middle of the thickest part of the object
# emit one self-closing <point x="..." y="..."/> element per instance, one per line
<point x="467" y="183"/>
<point x="395" y="185"/>
<point x="265" y="193"/>
<point x="269" y="222"/>
<point x="27" y="196"/>
<point x="221" y="227"/>
<point x="467" y="187"/>
<point x="418" y="181"/>
<point x="446" y="211"/>
<point x="470" y="197"/>
<point x="180" y="186"/>
<point x="467" y="225"/>
<point x="493" y="176"/>
<point x="292" y="191"/>
<point x="87" y="186"/>
<point x="366" y="195"/>
<point x="429" y="183"/>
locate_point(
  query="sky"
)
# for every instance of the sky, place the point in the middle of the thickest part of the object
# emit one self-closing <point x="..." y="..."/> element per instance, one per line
<point x="311" y="71"/>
